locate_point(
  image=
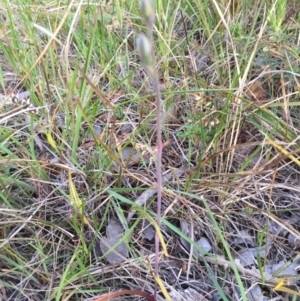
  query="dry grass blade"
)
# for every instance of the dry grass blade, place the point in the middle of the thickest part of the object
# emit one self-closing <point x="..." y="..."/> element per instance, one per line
<point x="96" y="90"/>
<point x="108" y="296"/>
<point x="146" y="195"/>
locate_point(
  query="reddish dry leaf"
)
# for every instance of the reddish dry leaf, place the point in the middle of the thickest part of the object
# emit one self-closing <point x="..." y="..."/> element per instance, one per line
<point x="125" y="292"/>
<point x="256" y="92"/>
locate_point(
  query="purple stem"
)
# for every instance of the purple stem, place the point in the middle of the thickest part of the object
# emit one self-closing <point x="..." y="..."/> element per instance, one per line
<point x="158" y="169"/>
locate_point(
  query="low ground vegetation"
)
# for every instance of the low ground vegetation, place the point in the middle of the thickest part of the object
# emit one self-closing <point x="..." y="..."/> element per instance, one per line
<point x="78" y="150"/>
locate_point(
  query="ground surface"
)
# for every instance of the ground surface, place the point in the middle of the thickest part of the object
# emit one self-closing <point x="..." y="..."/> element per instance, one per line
<point x="76" y="159"/>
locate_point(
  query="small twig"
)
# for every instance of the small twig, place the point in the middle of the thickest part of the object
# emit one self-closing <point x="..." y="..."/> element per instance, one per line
<point x="220" y="260"/>
<point x="125" y="292"/>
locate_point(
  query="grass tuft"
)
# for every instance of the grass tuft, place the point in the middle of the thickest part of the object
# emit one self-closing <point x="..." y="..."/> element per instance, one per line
<point x="195" y="100"/>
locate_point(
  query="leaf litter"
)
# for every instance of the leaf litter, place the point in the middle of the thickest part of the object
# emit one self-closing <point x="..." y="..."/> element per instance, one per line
<point x="114" y="232"/>
<point x="245" y="203"/>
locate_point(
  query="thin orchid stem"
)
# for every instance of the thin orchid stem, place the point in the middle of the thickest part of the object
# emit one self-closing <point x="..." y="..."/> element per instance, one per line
<point x="147" y="10"/>
<point x="158" y="168"/>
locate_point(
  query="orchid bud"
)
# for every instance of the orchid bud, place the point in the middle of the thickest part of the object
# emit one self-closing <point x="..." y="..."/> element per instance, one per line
<point x="144" y="48"/>
<point x="147" y="11"/>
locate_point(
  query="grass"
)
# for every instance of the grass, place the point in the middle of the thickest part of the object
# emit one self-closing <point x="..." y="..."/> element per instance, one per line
<point x="229" y="82"/>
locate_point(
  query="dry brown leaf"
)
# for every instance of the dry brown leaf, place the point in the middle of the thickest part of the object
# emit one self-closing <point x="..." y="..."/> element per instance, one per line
<point x="114" y="233"/>
<point x="256" y="92"/>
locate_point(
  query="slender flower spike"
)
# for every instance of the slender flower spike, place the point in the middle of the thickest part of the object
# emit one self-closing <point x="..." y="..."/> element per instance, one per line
<point x="147" y="11"/>
<point x="144" y="48"/>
